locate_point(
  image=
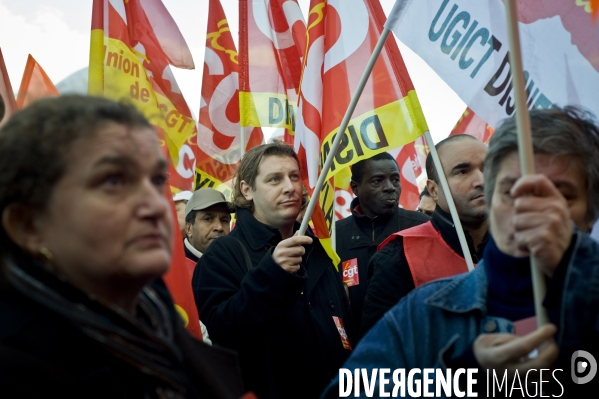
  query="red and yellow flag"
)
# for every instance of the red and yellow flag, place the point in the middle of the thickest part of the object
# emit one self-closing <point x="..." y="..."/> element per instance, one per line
<point x="35" y="84"/>
<point x="474" y="125"/>
<point x="341" y="37"/>
<point x="133" y="44"/>
<point x="271" y="46"/>
<point x="179" y="283"/>
<point x="595" y="9"/>
<point x="219" y="143"/>
<point x="8" y="105"/>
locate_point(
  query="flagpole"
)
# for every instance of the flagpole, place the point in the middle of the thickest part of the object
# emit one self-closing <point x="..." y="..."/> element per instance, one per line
<point x="525" y="150"/>
<point x="329" y="160"/>
<point x="449" y="197"/>
<point x="350" y="110"/>
<point x="242" y="139"/>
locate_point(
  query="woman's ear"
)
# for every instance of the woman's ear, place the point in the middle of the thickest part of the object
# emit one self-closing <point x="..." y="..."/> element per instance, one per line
<point x="19" y="223"/>
<point x="246" y="190"/>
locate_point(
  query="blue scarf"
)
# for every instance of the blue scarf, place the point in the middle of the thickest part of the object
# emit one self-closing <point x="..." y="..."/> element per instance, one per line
<point x="510" y="293"/>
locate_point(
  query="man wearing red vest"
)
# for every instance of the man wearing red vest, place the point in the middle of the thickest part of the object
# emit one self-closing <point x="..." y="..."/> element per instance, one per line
<point x="412" y="257"/>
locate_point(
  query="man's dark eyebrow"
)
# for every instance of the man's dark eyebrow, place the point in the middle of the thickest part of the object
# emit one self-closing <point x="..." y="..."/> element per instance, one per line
<point x="462" y="165"/>
<point x="379" y="175"/>
<point x="272" y="174"/>
<point x="128" y="162"/>
<point x="276" y="174"/>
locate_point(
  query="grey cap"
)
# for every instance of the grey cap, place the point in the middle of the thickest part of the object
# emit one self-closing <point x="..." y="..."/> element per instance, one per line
<point x="205" y="198"/>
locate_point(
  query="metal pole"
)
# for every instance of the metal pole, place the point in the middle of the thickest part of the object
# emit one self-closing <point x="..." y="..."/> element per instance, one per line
<point x="242" y="140"/>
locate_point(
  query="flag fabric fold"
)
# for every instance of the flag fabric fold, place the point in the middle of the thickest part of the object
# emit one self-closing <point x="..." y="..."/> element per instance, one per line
<point x="8" y="104"/>
<point x="271" y="47"/>
<point x="219" y="141"/>
<point x="35" y="84"/>
<point x="341" y="37"/>
<point x="472" y="124"/>
<point x="128" y="62"/>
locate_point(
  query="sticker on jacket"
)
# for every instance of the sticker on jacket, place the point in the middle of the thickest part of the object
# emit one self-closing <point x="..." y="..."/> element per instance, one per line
<point x="342" y="333"/>
<point x="350" y="272"/>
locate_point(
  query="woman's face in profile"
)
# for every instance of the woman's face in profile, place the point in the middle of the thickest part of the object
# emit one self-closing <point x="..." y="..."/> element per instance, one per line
<point x="108" y="221"/>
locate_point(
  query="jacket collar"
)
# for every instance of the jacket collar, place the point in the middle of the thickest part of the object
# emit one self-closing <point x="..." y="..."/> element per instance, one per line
<point x="258" y="234"/>
<point x="464" y="293"/>
<point x="192" y="250"/>
<point x="443" y="223"/>
<point x="364" y="226"/>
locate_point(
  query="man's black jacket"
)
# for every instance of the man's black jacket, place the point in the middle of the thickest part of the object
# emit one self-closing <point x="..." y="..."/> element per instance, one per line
<point x="281" y="324"/>
<point x="358" y="236"/>
<point x="391" y="279"/>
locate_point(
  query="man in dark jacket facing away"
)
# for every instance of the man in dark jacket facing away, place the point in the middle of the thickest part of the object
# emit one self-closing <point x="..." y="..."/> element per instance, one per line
<point x="272" y="296"/>
<point x="375" y="216"/>
<point x="434" y="247"/>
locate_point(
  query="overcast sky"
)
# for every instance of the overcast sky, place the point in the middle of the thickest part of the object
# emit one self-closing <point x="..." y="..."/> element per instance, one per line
<point x="56" y="33"/>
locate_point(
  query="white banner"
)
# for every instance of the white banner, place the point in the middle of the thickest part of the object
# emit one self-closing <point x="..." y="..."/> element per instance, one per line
<point x="465" y="42"/>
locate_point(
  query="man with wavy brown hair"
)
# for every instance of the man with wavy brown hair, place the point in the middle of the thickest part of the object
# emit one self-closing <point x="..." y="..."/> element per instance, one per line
<point x="274" y="297"/>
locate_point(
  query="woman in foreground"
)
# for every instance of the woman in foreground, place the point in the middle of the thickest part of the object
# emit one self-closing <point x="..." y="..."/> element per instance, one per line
<point x="85" y="236"/>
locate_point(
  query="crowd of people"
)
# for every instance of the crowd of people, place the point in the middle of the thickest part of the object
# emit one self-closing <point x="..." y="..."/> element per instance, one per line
<point x="87" y="234"/>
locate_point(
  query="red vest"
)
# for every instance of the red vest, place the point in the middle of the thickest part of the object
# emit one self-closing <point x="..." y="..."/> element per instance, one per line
<point x="428" y="255"/>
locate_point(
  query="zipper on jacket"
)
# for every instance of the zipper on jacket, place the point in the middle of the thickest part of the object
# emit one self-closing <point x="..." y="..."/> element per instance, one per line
<point x="372" y="220"/>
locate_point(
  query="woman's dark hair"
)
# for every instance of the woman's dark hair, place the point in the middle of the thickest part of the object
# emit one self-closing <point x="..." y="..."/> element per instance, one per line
<point x="35" y="144"/>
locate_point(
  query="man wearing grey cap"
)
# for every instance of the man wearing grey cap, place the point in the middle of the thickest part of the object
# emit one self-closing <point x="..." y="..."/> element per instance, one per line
<point x="207" y="217"/>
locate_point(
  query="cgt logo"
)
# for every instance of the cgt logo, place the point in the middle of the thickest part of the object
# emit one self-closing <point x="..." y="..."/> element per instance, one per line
<point x="350" y="272"/>
<point x="581" y="363"/>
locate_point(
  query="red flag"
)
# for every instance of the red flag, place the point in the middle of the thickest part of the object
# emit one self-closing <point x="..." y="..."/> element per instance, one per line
<point x="8" y="105"/>
<point x="218" y="140"/>
<point x="595" y="9"/>
<point x="133" y="44"/>
<point x="472" y="124"/>
<point x="179" y="283"/>
<point x="341" y="36"/>
<point x="271" y="46"/>
<point x="410" y="167"/>
<point x="35" y="84"/>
